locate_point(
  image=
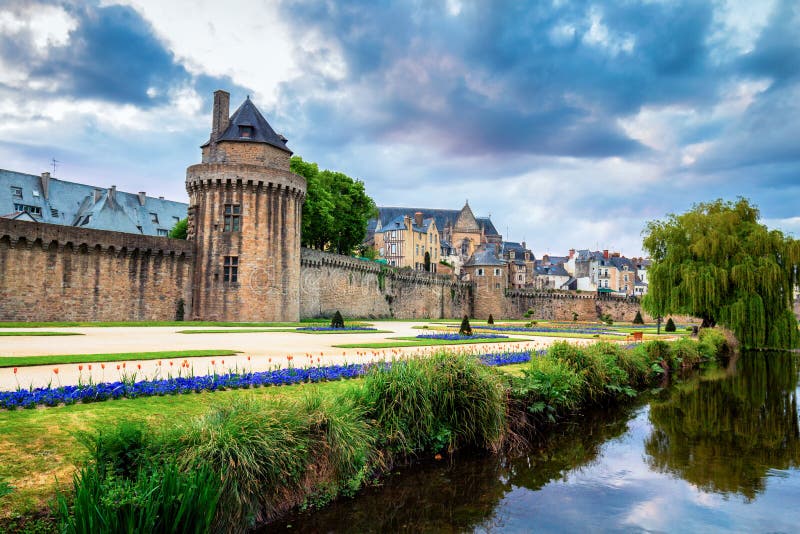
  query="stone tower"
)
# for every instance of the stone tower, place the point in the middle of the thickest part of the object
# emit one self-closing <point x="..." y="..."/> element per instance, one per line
<point x="245" y="207"/>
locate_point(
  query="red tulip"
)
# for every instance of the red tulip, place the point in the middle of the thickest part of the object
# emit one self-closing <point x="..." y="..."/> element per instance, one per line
<point x="80" y="368"/>
<point x="90" y="366"/>
<point x="139" y="365"/>
<point x="117" y="367"/>
<point x="15" y="370"/>
<point x="102" y="366"/>
<point x="55" y="370"/>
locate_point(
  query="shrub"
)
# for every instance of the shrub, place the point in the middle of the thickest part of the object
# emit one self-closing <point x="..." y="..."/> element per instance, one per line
<point x="428" y="404"/>
<point x="158" y="499"/>
<point x="465" y="329"/>
<point x="711" y="342"/>
<point x="549" y="387"/>
<point x="337" y="321"/>
<point x="638" y="319"/>
<point x="604" y="375"/>
<point x="574" y="316"/>
<point x="121" y="450"/>
<point x="658" y="351"/>
<point x="490" y="320"/>
<point x="641" y="369"/>
<point x="686" y="353"/>
<point x="528" y="313"/>
<point x="670" y="327"/>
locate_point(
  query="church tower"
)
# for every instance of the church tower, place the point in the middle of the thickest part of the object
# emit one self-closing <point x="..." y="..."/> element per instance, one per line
<point x="245" y="209"/>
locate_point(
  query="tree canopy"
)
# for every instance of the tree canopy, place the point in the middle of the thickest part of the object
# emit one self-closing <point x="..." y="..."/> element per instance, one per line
<point x="179" y="230"/>
<point x="336" y="209"/>
<point x="716" y="262"/>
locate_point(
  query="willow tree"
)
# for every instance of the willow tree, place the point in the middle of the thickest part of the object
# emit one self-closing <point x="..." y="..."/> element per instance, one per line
<point x="716" y="262"/>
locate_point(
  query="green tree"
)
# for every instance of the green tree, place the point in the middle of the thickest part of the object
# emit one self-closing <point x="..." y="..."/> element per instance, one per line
<point x="180" y="229"/>
<point x="670" y="327"/>
<point x="716" y="262"/>
<point x="336" y="209"/>
<point x="465" y="329"/>
<point x="337" y="321"/>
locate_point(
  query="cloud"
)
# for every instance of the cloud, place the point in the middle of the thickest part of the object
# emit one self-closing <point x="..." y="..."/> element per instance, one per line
<point x="572" y="123"/>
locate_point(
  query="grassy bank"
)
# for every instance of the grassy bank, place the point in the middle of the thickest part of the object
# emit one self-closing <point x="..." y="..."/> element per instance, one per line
<point x="60" y="359"/>
<point x="276" y="448"/>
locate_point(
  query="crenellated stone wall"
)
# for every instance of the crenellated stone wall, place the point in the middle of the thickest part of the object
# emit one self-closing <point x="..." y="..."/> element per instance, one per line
<point x="62" y="273"/>
<point x="360" y="288"/>
<point x="561" y="305"/>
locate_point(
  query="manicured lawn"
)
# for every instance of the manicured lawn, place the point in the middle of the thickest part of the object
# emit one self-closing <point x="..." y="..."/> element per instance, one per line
<point x="345" y="332"/>
<point x="414" y="342"/>
<point x="39" y="333"/>
<point x="59" y="359"/>
<point x="155" y="323"/>
<point x="236" y="331"/>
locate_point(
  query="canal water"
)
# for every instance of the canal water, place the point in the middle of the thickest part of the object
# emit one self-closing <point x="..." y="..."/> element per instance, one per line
<point x="717" y="452"/>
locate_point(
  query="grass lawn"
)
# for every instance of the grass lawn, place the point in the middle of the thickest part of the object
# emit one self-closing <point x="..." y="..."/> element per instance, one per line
<point x="40" y="333"/>
<point x="58" y="359"/>
<point x="316" y="322"/>
<point x="258" y="330"/>
<point x="414" y="342"/>
<point x="40" y="446"/>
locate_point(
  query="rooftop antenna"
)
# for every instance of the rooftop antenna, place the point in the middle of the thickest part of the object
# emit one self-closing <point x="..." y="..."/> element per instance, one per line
<point x="54" y="163"/>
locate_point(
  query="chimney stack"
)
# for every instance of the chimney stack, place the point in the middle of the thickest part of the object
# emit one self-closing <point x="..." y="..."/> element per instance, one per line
<point x="571" y="253"/>
<point x="46" y="185"/>
<point x="221" y="114"/>
<point x="112" y="193"/>
<point x="98" y="193"/>
<point x="605" y="253"/>
<point x="418" y="218"/>
<point x="142" y="198"/>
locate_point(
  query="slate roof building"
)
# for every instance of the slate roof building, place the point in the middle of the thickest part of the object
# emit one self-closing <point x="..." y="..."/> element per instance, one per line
<point x="50" y="200"/>
<point x="405" y="241"/>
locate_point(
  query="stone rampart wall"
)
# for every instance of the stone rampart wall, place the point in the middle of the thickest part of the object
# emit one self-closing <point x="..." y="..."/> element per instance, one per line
<point x="62" y="273"/>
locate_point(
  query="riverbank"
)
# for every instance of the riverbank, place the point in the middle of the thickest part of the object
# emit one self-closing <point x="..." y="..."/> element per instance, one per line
<point x="306" y="445"/>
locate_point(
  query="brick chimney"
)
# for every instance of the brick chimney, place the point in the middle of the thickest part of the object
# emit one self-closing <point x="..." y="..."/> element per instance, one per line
<point x="142" y="198"/>
<point x="571" y="253"/>
<point x="221" y="114"/>
<point x="98" y="194"/>
<point x="605" y="254"/>
<point x="418" y="218"/>
<point x="46" y="185"/>
<point x="112" y="193"/>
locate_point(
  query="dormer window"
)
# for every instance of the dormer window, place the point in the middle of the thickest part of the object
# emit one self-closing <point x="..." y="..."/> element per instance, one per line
<point x="16" y="192"/>
<point x="246" y="132"/>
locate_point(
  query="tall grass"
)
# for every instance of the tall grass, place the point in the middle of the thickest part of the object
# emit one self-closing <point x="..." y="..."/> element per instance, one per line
<point x="161" y="499"/>
<point x="445" y="401"/>
<point x="270" y="456"/>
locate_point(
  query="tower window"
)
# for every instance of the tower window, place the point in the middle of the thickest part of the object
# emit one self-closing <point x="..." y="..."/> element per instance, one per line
<point x="230" y="269"/>
<point x="232" y="218"/>
<point x="246" y="132"/>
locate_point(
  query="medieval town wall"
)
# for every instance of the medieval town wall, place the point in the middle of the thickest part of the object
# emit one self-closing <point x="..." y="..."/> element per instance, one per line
<point x="62" y="273"/>
<point x="359" y="288"/>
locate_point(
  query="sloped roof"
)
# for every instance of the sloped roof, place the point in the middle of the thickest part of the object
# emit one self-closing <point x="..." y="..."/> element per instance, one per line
<point x="69" y="202"/>
<point x="441" y="216"/>
<point x="399" y="222"/>
<point x="248" y="115"/>
<point x="484" y="255"/>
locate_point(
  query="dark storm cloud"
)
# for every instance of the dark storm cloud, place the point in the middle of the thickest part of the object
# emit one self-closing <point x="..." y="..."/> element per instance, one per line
<point x="550" y="89"/>
<point x="112" y="54"/>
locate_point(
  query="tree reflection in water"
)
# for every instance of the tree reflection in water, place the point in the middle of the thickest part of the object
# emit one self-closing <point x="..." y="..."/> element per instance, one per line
<point x="725" y="434"/>
<point x="464" y="495"/>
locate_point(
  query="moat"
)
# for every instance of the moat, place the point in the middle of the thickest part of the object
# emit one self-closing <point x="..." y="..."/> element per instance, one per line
<point x="716" y="452"/>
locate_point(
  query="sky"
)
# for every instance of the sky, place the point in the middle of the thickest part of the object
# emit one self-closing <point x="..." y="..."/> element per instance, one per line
<point x="571" y="124"/>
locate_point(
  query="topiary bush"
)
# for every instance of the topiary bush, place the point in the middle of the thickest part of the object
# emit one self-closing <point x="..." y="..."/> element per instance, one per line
<point x="337" y="321"/>
<point x="465" y="329"/>
<point x="490" y="320"/>
<point x="638" y="319"/>
<point x="670" y="325"/>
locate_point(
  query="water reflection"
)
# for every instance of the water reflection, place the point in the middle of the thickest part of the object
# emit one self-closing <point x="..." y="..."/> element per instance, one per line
<point x="725" y="435"/>
<point x="716" y="453"/>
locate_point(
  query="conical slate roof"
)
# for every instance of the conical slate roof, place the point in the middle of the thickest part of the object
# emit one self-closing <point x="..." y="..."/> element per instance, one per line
<point x="248" y="115"/>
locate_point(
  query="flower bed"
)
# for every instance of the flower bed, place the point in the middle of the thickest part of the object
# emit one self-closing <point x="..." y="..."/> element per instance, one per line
<point x="53" y="396"/>
<point x="460" y="337"/>
<point x="546" y="329"/>
<point x="332" y="329"/>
